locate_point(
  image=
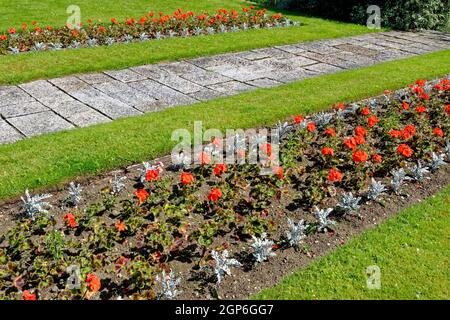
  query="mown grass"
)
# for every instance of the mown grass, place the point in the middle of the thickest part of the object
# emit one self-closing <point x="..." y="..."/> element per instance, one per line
<point x="54" y="158"/>
<point x="44" y="65"/>
<point x="411" y="251"/>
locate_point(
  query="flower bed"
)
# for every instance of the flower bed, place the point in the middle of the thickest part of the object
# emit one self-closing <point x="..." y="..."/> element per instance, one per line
<point x="207" y="220"/>
<point x="150" y="26"/>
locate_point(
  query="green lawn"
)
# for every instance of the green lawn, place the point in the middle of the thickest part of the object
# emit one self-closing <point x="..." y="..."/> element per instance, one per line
<point x="411" y="251"/>
<point x="50" y="159"/>
<point x="31" y="66"/>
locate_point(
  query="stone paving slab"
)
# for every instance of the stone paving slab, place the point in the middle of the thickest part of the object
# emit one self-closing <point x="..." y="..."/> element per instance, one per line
<point x="44" y="106"/>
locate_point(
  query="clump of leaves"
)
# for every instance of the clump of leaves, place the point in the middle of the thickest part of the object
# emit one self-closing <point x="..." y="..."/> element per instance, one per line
<point x="375" y="189"/>
<point x="262" y="248"/>
<point x="324" y="222"/>
<point x="296" y="232"/>
<point x="349" y="203"/>
<point x="398" y="177"/>
<point x="437" y="160"/>
<point x="418" y="171"/>
<point x="34" y="205"/>
<point x="169" y="283"/>
<point x="55" y="243"/>
<point x="223" y="264"/>
<point x="75" y="191"/>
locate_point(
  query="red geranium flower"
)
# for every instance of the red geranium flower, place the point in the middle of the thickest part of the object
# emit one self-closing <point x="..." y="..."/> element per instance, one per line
<point x="438" y="132"/>
<point x="215" y="194"/>
<point x="267" y="149"/>
<point x="114" y="20"/>
<point x="447" y="109"/>
<point x="327" y="151"/>
<point x="405" y="106"/>
<point x="27" y="295"/>
<point x="350" y="143"/>
<point x="69" y="218"/>
<point x="395" y="133"/>
<point x="377" y="158"/>
<point x="93" y="282"/>
<point x="186" y="178"/>
<point x="279" y="172"/>
<point x="405" y="150"/>
<point x="311" y="127"/>
<point x="3" y="37"/>
<point x="330" y="132"/>
<point x="421" y="109"/>
<point x="360" y="140"/>
<point x="360" y="156"/>
<point x="420" y="82"/>
<point x="11" y="30"/>
<point x="360" y="131"/>
<point x="365" y="111"/>
<point x="372" y="121"/>
<point x="120" y="226"/>
<point x="220" y="168"/>
<point x="152" y="175"/>
<point x="142" y="195"/>
<point x="299" y="118"/>
<point x="334" y="175"/>
<point x="204" y="158"/>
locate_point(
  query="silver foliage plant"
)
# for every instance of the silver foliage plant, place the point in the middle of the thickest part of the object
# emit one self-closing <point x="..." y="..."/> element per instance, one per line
<point x="437" y="160"/>
<point x="375" y="189"/>
<point x="75" y="191"/>
<point x="398" y="177"/>
<point x="34" y="205"/>
<point x="117" y="184"/>
<point x="223" y="264"/>
<point x="419" y="171"/>
<point x="324" y="222"/>
<point x="296" y="232"/>
<point x="169" y="283"/>
<point x="447" y="150"/>
<point x="349" y="203"/>
<point x="262" y="248"/>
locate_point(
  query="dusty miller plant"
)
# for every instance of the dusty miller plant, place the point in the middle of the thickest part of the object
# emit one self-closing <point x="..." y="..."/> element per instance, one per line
<point x="447" y="150"/>
<point x="418" y="172"/>
<point x="437" y="160"/>
<point x="349" y="203"/>
<point x="375" y="189"/>
<point x="223" y="264"/>
<point x="117" y="184"/>
<point x="75" y="191"/>
<point x="169" y="284"/>
<point x="398" y="177"/>
<point x="34" y="205"/>
<point x="296" y="232"/>
<point x="262" y="248"/>
<point x="324" y="222"/>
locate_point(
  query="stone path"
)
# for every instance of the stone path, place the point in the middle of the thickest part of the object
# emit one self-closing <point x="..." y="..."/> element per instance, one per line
<point x="78" y="101"/>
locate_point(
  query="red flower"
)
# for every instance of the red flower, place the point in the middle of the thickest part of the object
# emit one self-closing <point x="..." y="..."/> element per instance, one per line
<point x="27" y="295"/>
<point x="360" y="140"/>
<point x="93" y="282"/>
<point x="360" y="156"/>
<point x="330" y="132"/>
<point x="405" y="150"/>
<point x="102" y="29"/>
<point x="421" y="109"/>
<point x="114" y="20"/>
<point x="372" y="121"/>
<point x="438" y="132"/>
<point x="204" y="158"/>
<point x="334" y="175"/>
<point x="74" y="33"/>
<point x="311" y="127"/>
<point x="395" y="133"/>
<point x="186" y="178"/>
<point x="350" y="143"/>
<point x="142" y="195"/>
<point x="69" y="218"/>
<point x="49" y="28"/>
<point x="152" y="175"/>
<point x="327" y="151"/>
<point x="377" y="158"/>
<point x="299" y="118"/>
<point x="3" y="37"/>
<point x="447" y="109"/>
<point x="11" y="30"/>
<point x="360" y="131"/>
<point x="405" y="106"/>
<point x="279" y="172"/>
<point x="120" y="226"/>
<point x="220" y="168"/>
<point x="24" y="27"/>
<point x="365" y="111"/>
<point x="420" y="82"/>
<point x="215" y="194"/>
<point x="267" y="149"/>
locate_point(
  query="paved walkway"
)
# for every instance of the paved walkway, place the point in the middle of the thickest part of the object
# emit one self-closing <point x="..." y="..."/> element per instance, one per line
<point x="78" y="101"/>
